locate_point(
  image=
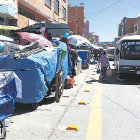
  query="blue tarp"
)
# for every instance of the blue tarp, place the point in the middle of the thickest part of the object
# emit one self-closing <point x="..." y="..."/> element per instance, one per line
<point x="84" y="55"/>
<point x="9" y="84"/>
<point x="43" y="66"/>
<point x="66" y="61"/>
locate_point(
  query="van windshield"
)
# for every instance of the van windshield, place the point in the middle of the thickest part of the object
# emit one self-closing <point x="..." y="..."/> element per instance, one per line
<point x="110" y="51"/>
<point x="130" y="51"/>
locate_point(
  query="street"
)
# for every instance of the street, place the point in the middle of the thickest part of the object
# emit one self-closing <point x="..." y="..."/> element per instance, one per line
<point x="69" y="70"/>
<point x="111" y="112"/>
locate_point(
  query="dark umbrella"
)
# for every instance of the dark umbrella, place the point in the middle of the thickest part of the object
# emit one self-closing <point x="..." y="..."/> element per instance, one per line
<point x="56" y="29"/>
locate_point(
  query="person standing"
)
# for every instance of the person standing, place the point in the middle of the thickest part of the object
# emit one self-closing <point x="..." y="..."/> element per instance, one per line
<point x="65" y="40"/>
<point x="104" y="62"/>
<point x="74" y="58"/>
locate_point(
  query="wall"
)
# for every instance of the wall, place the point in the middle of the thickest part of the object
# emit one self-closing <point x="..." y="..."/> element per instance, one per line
<point x="72" y="19"/>
<point x="41" y="10"/>
<point x="130" y="25"/>
<point x="137" y="26"/>
<point x="126" y="26"/>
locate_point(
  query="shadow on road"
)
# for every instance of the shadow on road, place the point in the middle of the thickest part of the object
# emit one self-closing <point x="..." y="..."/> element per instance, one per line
<point x="93" y="80"/>
<point x="27" y="108"/>
<point x="114" y="79"/>
<point x="22" y="109"/>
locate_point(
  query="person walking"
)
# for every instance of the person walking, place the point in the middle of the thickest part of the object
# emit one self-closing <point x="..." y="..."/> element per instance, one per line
<point x="104" y="62"/>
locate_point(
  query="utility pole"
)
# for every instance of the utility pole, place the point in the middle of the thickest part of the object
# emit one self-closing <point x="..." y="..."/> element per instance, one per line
<point x="76" y="20"/>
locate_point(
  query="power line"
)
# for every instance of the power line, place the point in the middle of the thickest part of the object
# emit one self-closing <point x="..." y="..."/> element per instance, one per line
<point x="91" y="14"/>
<point x="107" y="7"/>
<point x="107" y="22"/>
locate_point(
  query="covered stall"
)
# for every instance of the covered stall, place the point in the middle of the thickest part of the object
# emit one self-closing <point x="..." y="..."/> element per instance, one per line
<point x="85" y="56"/>
<point x="46" y="66"/>
<point x="10" y="88"/>
<point x="55" y="29"/>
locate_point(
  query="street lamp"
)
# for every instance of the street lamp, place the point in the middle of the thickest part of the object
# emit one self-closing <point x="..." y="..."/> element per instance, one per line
<point x="76" y="20"/>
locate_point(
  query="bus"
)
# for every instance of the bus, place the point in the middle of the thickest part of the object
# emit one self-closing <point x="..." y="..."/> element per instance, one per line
<point x="127" y="56"/>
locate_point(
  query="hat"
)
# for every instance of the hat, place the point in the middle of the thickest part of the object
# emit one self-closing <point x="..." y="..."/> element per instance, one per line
<point x="66" y="35"/>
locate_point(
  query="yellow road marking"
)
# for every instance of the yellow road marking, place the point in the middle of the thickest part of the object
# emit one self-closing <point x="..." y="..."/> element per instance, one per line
<point x="94" y="131"/>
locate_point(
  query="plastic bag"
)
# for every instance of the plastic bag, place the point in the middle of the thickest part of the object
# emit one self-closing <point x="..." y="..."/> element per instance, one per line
<point x="109" y="72"/>
<point x="98" y="70"/>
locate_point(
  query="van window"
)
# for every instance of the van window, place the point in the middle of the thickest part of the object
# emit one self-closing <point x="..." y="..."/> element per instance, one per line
<point x="130" y="51"/>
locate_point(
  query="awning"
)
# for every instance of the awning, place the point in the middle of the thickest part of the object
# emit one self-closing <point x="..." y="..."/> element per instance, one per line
<point x="3" y="27"/>
<point x="56" y="29"/>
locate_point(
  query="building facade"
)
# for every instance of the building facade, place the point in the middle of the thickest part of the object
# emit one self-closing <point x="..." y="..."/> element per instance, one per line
<point x="22" y="13"/>
<point x="32" y="11"/>
<point x="86" y="29"/>
<point x="93" y="38"/>
<point x="8" y="16"/>
<point x="76" y="19"/>
<point x="126" y="26"/>
<point x="137" y="26"/>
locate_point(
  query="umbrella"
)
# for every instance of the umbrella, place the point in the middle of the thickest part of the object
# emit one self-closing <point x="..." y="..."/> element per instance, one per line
<point x="56" y="29"/>
<point x="76" y="40"/>
<point x="31" y="37"/>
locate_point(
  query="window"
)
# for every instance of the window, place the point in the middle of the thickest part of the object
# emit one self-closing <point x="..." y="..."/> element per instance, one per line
<point x="63" y="13"/>
<point x="56" y="6"/>
<point x="136" y="28"/>
<point x="130" y="50"/>
<point x="26" y="14"/>
<point x="48" y="2"/>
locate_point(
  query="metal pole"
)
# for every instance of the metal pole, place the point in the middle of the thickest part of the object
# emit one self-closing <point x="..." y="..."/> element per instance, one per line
<point x="94" y="37"/>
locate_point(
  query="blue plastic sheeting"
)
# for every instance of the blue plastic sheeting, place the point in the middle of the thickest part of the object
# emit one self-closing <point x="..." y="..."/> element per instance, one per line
<point x="84" y="55"/>
<point x="9" y="83"/>
<point x="66" y="61"/>
<point x="43" y="66"/>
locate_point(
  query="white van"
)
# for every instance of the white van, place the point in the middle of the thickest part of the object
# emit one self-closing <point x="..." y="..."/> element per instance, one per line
<point x="127" y="56"/>
<point x="110" y="53"/>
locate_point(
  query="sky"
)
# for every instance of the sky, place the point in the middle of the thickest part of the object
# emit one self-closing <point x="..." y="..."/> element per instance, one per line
<point x="104" y="16"/>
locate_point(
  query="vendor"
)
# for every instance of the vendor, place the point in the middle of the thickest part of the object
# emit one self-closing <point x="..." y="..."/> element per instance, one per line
<point x="74" y="58"/>
<point x="65" y="40"/>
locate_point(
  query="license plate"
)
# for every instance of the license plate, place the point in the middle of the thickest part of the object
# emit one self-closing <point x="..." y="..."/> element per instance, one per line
<point x="138" y="72"/>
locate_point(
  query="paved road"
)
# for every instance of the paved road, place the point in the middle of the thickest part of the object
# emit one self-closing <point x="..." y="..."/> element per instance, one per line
<point x="121" y="109"/>
<point x="112" y="112"/>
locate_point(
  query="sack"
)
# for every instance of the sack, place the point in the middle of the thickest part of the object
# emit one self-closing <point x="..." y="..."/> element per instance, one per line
<point x="69" y="83"/>
<point x="98" y="70"/>
<point x="109" y="72"/>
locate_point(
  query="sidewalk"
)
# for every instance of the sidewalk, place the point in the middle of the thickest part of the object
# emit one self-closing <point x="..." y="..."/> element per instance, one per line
<point x="76" y="114"/>
<point x="50" y="121"/>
